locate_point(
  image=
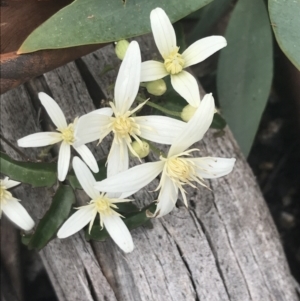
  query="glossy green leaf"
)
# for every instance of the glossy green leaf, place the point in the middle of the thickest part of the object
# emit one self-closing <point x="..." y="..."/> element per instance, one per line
<point x="101" y="175"/>
<point x="245" y="70"/>
<point x="35" y="174"/>
<point x="101" y="21"/>
<point x="285" y="20"/>
<point x="132" y="221"/>
<point x="54" y="217"/>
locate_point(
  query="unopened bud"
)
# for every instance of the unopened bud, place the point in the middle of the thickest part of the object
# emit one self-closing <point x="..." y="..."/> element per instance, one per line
<point x="188" y="112"/>
<point x="141" y="149"/>
<point x="157" y="87"/>
<point x="121" y="48"/>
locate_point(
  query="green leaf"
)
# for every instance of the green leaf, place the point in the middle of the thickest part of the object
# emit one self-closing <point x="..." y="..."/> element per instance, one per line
<point x="101" y="21"/>
<point x="54" y="217"/>
<point x="285" y="20"/>
<point x="218" y="122"/>
<point x="132" y="221"/>
<point x="245" y="70"/>
<point x="101" y="175"/>
<point x="35" y="174"/>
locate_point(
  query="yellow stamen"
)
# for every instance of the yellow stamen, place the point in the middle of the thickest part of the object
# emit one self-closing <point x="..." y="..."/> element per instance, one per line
<point x="67" y="134"/>
<point x="174" y="62"/>
<point x="4" y="195"/>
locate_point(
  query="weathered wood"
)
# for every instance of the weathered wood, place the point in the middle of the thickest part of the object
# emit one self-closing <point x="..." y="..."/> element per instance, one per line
<point x="224" y="247"/>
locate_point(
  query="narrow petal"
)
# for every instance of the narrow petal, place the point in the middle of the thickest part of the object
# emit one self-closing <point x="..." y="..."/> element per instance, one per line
<point x="118" y="232"/>
<point x="103" y="111"/>
<point x="90" y="127"/>
<point x="128" y="79"/>
<point x="9" y="183"/>
<point x="167" y="198"/>
<point x="132" y="179"/>
<point x="163" y="32"/>
<point x="76" y="222"/>
<point x="118" y="159"/>
<point x="152" y="70"/>
<point x="85" y="178"/>
<point x="54" y="111"/>
<point x="159" y="129"/>
<point x="18" y="214"/>
<point x="40" y="139"/>
<point x="63" y="160"/>
<point x="88" y="157"/>
<point x="202" y="49"/>
<point x="196" y="127"/>
<point x="186" y="85"/>
<point x="210" y="167"/>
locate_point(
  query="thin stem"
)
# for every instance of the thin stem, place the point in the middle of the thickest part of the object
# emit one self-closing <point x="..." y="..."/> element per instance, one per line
<point x="14" y="148"/>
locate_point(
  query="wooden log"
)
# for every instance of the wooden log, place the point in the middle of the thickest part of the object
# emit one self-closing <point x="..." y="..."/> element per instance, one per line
<point x="223" y="247"/>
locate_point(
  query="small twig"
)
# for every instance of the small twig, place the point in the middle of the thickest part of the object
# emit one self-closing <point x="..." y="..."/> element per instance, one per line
<point x="14" y="148"/>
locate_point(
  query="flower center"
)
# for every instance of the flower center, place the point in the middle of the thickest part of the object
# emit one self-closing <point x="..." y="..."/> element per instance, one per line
<point x="4" y="194"/>
<point x="123" y="126"/>
<point x="180" y="169"/>
<point x="67" y="134"/>
<point x="174" y="62"/>
<point x="103" y="205"/>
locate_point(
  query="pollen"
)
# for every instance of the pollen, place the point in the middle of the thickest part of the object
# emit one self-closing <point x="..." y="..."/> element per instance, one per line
<point x="174" y="62"/>
<point x="67" y="134"/>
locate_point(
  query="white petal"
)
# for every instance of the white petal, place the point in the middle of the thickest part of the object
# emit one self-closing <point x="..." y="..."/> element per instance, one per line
<point x="63" y="160"/>
<point x="186" y="85"/>
<point x="18" y="214"/>
<point x="88" y="157"/>
<point x="118" y="159"/>
<point x="159" y="129"/>
<point x="128" y="79"/>
<point x="77" y="221"/>
<point x="167" y="198"/>
<point x="119" y="232"/>
<point x="103" y="111"/>
<point x="39" y="139"/>
<point x="163" y="32"/>
<point x="88" y="128"/>
<point x="9" y="183"/>
<point x="53" y="110"/>
<point x="85" y="178"/>
<point x="210" y="167"/>
<point x="202" y="49"/>
<point x="152" y="70"/>
<point x="132" y="179"/>
<point x="196" y="127"/>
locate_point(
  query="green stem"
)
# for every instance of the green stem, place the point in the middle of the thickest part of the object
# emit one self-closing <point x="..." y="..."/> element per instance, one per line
<point x="158" y="107"/>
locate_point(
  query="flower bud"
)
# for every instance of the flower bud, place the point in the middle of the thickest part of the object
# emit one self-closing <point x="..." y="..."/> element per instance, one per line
<point x="157" y="87"/>
<point x="188" y="112"/>
<point x="121" y="48"/>
<point x="141" y="150"/>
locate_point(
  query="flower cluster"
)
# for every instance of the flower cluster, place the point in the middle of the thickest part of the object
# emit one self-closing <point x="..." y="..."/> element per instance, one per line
<point x="131" y="133"/>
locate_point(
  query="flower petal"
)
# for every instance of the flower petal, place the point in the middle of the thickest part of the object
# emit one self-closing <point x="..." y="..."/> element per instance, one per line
<point x="63" y="160"/>
<point x="119" y="232"/>
<point x="87" y="157"/>
<point x="163" y="32"/>
<point x="159" y="129"/>
<point x="167" y="197"/>
<point x="152" y="70"/>
<point x="54" y="111"/>
<point x="18" y="214"/>
<point x="202" y="49"/>
<point x="132" y="179"/>
<point x="128" y="79"/>
<point x="118" y="159"/>
<point x="85" y="178"/>
<point x="186" y="85"/>
<point x="77" y="221"/>
<point x="210" y="167"/>
<point x="40" y="139"/>
<point x="89" y="126"/>
<point x="103" y="111"/>
<point x="9" y="183"/>
<point x="196" y="127"/>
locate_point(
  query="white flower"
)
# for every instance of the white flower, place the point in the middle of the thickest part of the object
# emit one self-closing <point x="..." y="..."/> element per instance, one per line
<point x="174" y="62"/>
<point x="66" y="135"/>
<point x="124" y="125"/>
<point x="178" y="168"/>
<point x="11" y="206"/>
<point x="101" y="203"/>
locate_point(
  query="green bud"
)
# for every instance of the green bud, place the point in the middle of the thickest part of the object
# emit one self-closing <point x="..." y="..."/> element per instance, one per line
<point x="121" y="48"/>
<point x="157" y="87"/>
<point x="188" y="112"/>
<point x="141" y="150"/>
